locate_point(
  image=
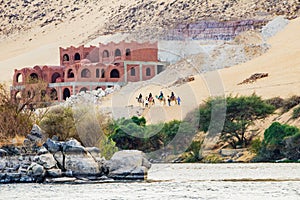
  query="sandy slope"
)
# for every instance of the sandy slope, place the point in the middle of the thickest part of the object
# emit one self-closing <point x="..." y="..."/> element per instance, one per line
<point x="281" y="62"/>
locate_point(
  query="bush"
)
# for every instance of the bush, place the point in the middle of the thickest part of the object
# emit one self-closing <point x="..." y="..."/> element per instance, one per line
<point x="255" y="146"/>
<point x="277" y="139"/>
<point x="194" y="148"/>
<point x="131" y="134"/>
<point x="277" y="102"/>
<point x="212" y="158"/>
<point x="292" y="144"/>
<point x="15" y="119"/>
<point x="59" y="121"/>
<point x="290" y="103"/>
<point x="296" y="113"/>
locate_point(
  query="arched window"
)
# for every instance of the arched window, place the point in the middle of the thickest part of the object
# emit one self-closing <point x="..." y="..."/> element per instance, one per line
<point x="28" y="94"/>
<point x="84" y="89"/>
<point x="53" y="94"/>
<point x="102" y="73"/>
<point x="117" y="52"/>
<point x="43" y="95"/>
<point x="85" y="73"/>
<point x="132" y="71"/>
<point x="66" y="93"/>
<point x="54" y="77"/>
<point x="148" y="72"/>
<point x="105" y="54"/>
<point x="114" y="73"/>
<point x="33" y="78"/>
<point x="77" y="56"/>
<point x="70" y="73"/>
<point x="97" y="73"/>
<point x="128" y="53"/>
<point x="19" y="78"/>
<point x="66" y="57"/>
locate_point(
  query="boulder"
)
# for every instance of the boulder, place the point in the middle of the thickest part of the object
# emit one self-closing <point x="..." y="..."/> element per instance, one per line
<point x="81" y="163"/>
<point x="2" y="163"/>
<point x="228" y="152"/>
<point x="59" y="157"/>
<point x="42" y="150"/>
<point x="46" y="160"/>
<point x="3" y="153"/>
<point x="128" y="164"/>
<point x="36" y="171"/>
<point x="11" y="150"/>
<point x="61" y="180"/>
<point x="52" y="145"/>
<point x="36" y="131"/>
<point x="54" y="173"/>
<point x="95" y="152"/>
<point x="35" y="135"/>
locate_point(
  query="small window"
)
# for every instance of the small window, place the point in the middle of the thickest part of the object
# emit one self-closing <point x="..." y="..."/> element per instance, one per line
<point x="66" y="57"/>
<point x="132" y="72"/>
<point x="105" y="54"/>
<point x="85" y="73"/>
<point x="117" y="53"/>
<point x="70" y="73"/>
<point x="148" y="72"/>
<point x="19" y="78"/>
<point x="97" y="73"/>
<point x="102" y="73"/>
<point x="128" y="53"/>
<point x="77" y="56"/>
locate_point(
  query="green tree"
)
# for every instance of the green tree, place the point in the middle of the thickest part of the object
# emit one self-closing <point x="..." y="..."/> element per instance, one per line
<point x="241" y="112"/>
<point x="278" y="139"/>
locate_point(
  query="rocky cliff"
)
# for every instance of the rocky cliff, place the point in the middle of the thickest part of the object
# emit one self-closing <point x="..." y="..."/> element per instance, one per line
<point x="22" y="15"/>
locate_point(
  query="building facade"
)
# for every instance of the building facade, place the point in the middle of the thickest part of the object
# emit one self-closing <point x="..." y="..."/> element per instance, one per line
<point x="88" y="68"/>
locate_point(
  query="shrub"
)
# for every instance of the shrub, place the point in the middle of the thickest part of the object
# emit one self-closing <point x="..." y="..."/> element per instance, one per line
<point x="296" y="113"/>
<point x="15" y="119"/>
<point x="59" y="121"/>
<point x="290" y="103"/>
<point x="274" y="145"/>
<point x="255" y="146"/>
<point x="212" y="158"/>
<point x="277" y="102"/>
<point x="194" y="148"/>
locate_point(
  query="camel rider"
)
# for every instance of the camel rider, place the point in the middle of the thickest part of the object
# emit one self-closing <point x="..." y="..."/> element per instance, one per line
<point x="140" y="96"/>
<point x="172" y="95"/>
<point x="161" y="95"/>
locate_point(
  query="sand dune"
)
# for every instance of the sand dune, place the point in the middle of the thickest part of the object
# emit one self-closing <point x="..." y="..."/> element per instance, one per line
<point x="281" y="62"/>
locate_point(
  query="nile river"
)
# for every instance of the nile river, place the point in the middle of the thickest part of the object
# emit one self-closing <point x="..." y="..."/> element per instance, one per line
<point x="180" y="181"/>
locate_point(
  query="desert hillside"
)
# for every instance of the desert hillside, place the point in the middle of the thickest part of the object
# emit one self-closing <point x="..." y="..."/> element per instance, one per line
<point x="32" y="30"/>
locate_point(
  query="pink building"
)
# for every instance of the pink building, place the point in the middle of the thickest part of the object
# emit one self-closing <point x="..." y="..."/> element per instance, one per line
<point x="88" y="68"/>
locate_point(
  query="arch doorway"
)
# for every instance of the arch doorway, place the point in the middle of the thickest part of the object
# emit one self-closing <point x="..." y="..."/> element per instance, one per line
<point x="66" y="93"/>
<point x="54" y="77"/>
<point x="114" y="73"/>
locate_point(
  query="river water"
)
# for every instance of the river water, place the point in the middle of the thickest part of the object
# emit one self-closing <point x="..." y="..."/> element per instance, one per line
<point x="180" y="181"/>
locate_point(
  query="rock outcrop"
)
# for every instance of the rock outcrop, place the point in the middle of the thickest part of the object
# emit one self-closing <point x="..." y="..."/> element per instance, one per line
<point x="68" y="162"/>
<point x="128" y="165"/>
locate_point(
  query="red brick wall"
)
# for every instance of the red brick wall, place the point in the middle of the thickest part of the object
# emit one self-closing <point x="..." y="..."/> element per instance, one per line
<point x="138" y="51"/>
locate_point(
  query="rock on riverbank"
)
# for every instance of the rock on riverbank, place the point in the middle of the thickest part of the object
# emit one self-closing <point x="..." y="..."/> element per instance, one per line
<point x="68" y="162"/>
